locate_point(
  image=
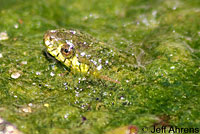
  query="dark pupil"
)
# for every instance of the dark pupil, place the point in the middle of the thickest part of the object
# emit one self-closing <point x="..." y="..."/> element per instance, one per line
<point x="66" y="51"/>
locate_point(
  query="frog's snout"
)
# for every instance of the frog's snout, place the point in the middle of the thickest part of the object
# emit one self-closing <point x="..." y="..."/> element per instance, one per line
<point x="46" y="40"/>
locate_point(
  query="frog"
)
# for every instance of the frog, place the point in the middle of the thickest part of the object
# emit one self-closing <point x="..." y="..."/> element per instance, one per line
<point x="80" y="52"/>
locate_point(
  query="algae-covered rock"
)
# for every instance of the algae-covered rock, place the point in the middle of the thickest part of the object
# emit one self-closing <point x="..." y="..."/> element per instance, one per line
<point x="152" y="66"/>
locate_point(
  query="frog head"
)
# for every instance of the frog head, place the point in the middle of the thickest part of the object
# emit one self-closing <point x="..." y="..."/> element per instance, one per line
<point x="61" y="45"/>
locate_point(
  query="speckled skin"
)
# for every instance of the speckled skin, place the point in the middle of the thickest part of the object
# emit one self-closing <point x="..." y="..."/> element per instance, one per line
<point x="79" y="51"/>
<point x="86" y="54"/>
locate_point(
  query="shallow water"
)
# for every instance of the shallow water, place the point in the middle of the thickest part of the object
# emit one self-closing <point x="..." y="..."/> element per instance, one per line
<point x="159" y="82"/>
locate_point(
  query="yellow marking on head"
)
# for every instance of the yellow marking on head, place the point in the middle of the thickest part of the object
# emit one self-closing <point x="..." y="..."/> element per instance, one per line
<point x="75" y="63"/>
<point x="81" y="67"/>
<point x="84" y="68"/>
<point x="71" y="62"/>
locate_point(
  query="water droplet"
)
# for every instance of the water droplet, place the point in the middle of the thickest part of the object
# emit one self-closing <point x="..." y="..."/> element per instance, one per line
<point x="172" y="67"/>
<point x="105" y="93"/>
<point x="145" y="21"/>
<point x="53" y="31"/>
<point x="65" y="83"/>
<point x="174" y="8"/>
<point x="24" y="62"/>
<point x="1" y="55"/>
<point x="15" y="75"/>
<point x="34" y="83"/>
<point x="72" y="31"/>
<point x="99" y="60"/>
<point x="99" y="67"/>
<point x="154" y="13"/>
<point x="83" y="54"/>
<point x="16" y="26"/>
<point x="95" y="63"/>
<point x="66" y="115"/>
<point x="38" y="73"/>
<point x="3" y="36"/>
<point x="47" y="42"/>
<point x="30" y="104"/>
<point x="122" y="98"/>
<point x="52" y="74"/>
<point x="27" y="110"/>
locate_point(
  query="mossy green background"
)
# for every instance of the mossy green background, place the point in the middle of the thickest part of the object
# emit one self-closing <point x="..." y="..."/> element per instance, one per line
<point x="162" y="87"/>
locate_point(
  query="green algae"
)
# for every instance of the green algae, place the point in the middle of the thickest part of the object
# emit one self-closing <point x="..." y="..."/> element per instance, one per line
<point x="162" y="36"/>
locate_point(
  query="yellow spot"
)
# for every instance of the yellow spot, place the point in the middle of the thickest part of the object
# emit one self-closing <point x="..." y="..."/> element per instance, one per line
<point x="75" y="63"/>
<point x="46" y="105"/>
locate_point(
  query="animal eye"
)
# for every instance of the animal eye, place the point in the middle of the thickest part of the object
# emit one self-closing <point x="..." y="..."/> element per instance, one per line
<point x="66" y="50"/>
